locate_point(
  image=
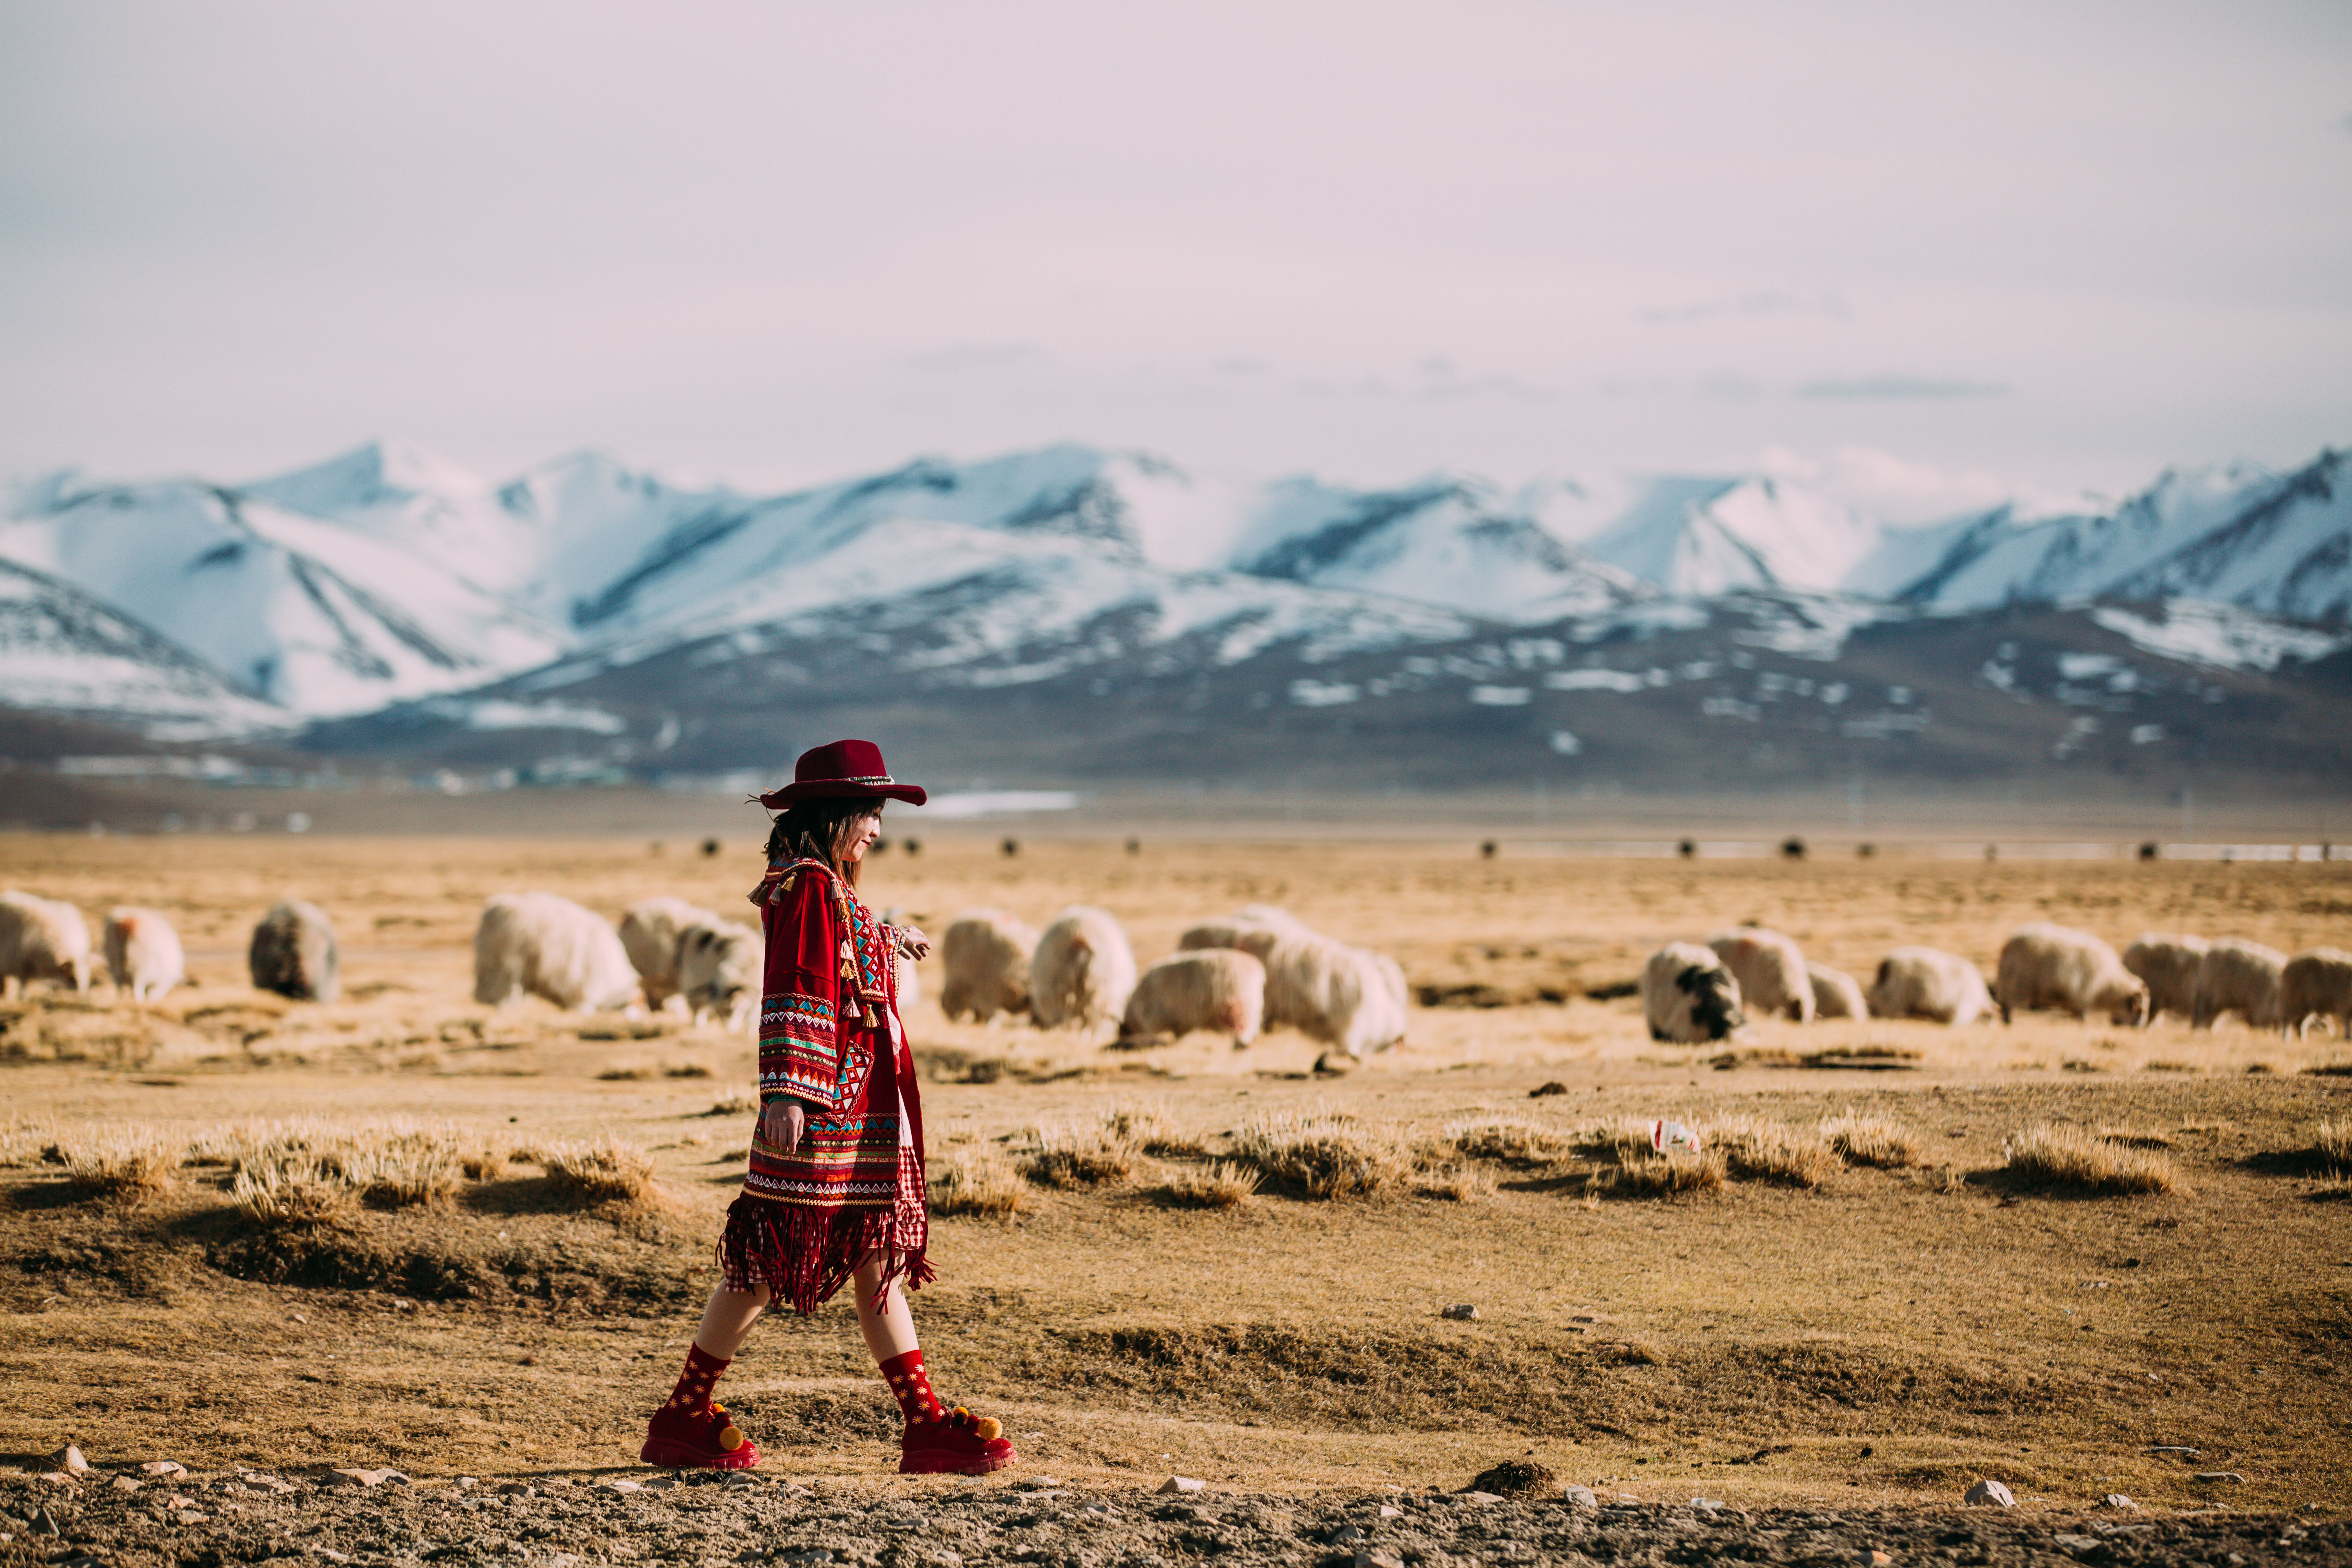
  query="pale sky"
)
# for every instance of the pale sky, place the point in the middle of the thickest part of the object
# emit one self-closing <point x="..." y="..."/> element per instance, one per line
<point x="2050" y="243"/>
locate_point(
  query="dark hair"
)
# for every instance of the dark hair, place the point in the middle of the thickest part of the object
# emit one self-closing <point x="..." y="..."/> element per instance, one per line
<point x="815" y="829"/>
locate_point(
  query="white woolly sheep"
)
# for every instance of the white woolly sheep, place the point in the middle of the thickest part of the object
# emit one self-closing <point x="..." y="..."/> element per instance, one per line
<point x="2240" y="977"/>
<point x="1252" y="930"/>
<point x="1923" y="983"/>
<point x="1218" y="989"/>
<point x="142" y="953"/>
<point x="1334" y="993"/>
<point x="2317" y="984"/>
<point x="41" y="939"/>
<point x="2168" y="962"/>
<point x="294" y="953"/>
<point x="1688" y="995"/>
<point x="1082" y="970"/>
<point x="548" y="946"/>
<point x="986" y="954"/>
<point x="1836" y="993"/>
<point x="718" y="971"/>
<point x="649" y="933"/>
<point x="2068" y="971"/>
<point x="1770" y="970"/>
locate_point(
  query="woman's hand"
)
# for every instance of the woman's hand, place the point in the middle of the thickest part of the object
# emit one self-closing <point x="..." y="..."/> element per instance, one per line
<point x="781" y="1124"/>
<point x="913" y="943"/>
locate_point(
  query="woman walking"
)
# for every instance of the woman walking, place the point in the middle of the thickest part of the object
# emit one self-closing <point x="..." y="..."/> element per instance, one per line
<point x="834" y="1192"/>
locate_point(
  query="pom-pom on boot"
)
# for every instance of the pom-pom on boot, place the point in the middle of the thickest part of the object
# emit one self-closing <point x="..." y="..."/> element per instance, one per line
<point x="957" y="1444"/>
<point x="704" y="1439"/>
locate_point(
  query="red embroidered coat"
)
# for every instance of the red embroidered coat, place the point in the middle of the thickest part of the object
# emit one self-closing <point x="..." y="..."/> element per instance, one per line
<point x="830" y="1038"/>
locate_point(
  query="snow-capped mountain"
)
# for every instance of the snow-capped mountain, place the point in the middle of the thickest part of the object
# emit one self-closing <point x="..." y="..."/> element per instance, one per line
<point x="387" y="575"/>
<point x="1451" y="542"/>
<point x="63" y="652"/>
<point x="308" y="612"/>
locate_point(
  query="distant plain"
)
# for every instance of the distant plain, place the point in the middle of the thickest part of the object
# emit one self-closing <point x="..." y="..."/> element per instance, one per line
<point x="1887" y="1335"/>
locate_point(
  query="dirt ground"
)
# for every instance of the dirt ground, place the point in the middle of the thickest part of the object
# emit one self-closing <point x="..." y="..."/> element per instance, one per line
<point x="1879" y="1339"/>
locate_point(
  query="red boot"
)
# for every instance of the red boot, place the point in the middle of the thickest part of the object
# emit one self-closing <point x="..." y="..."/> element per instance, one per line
<point x="957" y="1444"/>
<point x="704" y="1439"/>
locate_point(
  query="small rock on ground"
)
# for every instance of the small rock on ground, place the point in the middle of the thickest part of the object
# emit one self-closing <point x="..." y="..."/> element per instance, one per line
<point x="1990" y="1491"/>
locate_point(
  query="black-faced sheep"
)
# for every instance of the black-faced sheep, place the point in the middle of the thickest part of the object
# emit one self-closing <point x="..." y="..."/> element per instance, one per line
<point x="2068" y="971"/>
<point x="986" y="954"/>
<point x="543" y="945"/>
<point x="41" y="939"/>
<point x="294" y="953"/>
<point x="1770" y="970"/>
<point x="1923" y="983"/>
<point x="142" y="953"/>
<point x="1688" y="997"/>
<point x="1082" y="970"/>
<point x="1218" y="989"/>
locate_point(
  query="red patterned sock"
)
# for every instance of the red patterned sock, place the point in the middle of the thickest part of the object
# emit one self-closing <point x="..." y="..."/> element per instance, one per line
<point x="694" y="1384"/>
<point x="912" y="1387"/>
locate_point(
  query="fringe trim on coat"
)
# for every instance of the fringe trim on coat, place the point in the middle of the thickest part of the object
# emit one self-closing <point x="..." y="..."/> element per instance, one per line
<point x="806" y="1254"/>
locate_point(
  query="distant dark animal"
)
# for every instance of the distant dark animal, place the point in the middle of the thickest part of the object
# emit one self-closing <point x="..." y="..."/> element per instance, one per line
<point x="294" y="953"/>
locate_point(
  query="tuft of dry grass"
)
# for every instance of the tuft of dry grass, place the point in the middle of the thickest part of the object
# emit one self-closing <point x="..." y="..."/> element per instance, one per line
<point x="1511" y="1142"/>
<point x="1222" y="1184"/>
<point x="296" y="1191"/>
<point x="1878" y="1141"/>
<point x="1148" y="1125"/>
<point x="2070" y="1158"/>
<point x="978" y="1183"/>
<point x="597" y="1170"/>
<point x="1615" y="1142"/>
<point x="25" y="1140"/>
<point x="1075" y="1157"/>
<point x="1758" y="1149"/>
<point x="122" y="1162"/>
<point x="1654" y="1175"/>
<point x="735" y="1102"/>
<point x="2333" y="1147"/>
<point x="2134" y="1137"/>
<point x="1323" y="1155"/>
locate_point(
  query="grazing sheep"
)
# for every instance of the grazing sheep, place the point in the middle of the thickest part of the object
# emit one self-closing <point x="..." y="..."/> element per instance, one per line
<point x="1334" y="993"/>
<point x="2168" y="962"/>
<point x="2316" y="982"/>
<point x="1836" y="993"/>
<point x="294" y="953"/>
<point x="2240" y="977"/>
<point x="650" y="929"/>
<point x="2069" y="971"/>
<point x="1393" y="976"/>
<point x="1770" y="970"/>
<point x="718" y="970"/>
<point x="1254" y="930"/>
<point x="986" y="955"/>
<point x="548" y="946"/>
<point x="1082" y="972"/>
<point x="1923" y="983"/>
<point x="41" y="939"/>
<point x="1688" y="997"/>
<point x="1219" y="989"/>
<point x="142" y="953"/>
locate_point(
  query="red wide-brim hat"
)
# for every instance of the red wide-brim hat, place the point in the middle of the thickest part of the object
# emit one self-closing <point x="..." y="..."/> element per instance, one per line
<point x="845" y="769"/>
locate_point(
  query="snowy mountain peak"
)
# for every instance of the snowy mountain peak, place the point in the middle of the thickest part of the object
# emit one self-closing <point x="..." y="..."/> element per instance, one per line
<point x="379" y="474"/>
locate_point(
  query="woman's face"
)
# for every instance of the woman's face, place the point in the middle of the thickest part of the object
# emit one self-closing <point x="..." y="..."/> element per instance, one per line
<point x="862" y="831"/>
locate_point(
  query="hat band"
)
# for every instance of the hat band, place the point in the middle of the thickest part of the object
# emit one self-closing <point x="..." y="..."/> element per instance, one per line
<point x="867" y="779"/>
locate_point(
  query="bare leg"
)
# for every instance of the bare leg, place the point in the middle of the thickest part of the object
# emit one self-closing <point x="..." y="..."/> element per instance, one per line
<point x="889" y="1328"/>
<point x="727" y="1320"/>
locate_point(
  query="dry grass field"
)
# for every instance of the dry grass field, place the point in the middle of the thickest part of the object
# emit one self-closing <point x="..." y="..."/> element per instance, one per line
<point x="402" y="1229"/>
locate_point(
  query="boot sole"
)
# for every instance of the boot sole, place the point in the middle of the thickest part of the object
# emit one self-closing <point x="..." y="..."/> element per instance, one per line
<point x="944" y="1465"/>
<point x="668" y="1454"/>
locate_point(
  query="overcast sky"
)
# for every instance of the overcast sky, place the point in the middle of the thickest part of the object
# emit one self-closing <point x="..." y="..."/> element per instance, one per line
<point x="2047" y="243"/>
